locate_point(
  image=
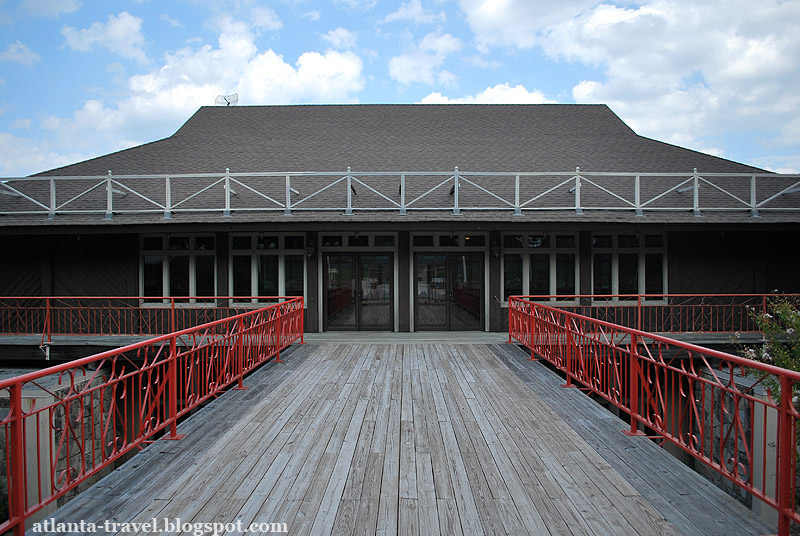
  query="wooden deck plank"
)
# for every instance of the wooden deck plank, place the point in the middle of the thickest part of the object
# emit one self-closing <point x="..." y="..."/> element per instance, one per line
<point x="411" y="439"/>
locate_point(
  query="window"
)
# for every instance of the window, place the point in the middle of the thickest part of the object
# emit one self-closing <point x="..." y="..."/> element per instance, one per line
<point x="512" y="274"/>
<point x="178" y="266"/>
<point x="451" y="240"/>
<point x="270" y="265"/>
<point x="628" y="264"/>
<point x="540" y="264"/>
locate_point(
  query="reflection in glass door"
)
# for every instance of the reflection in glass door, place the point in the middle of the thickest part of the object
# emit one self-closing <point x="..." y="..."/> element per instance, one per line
<point x="431" y="305"/>
<point x="375" y="292"/>
<point x="449" y="294"/>
<point x="466" y="283"/>
<point x="358" y="291"/>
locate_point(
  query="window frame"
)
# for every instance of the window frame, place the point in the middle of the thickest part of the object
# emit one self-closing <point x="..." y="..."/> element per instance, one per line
<point x="641" y="250"/>
<point x="552" y="250"/>
<point x="281" y="251"/>
<point x="192" y="252"/>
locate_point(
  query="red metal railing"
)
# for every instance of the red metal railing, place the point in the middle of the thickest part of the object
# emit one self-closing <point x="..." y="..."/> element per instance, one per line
<point x="667" y="313"/>
<point x="717" y="407"/>
<point x="67" y="424"/>
<point x="99" y="316"/>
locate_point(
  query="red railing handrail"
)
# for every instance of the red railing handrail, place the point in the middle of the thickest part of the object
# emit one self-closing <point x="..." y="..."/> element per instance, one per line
<point x="50" y="316"/>
<point x="742" y="361"/>
<point x="77" y="363"/>
<point x="653" y="295"/>
<point x="213" y="356"/>
<point x="574" y="343"/>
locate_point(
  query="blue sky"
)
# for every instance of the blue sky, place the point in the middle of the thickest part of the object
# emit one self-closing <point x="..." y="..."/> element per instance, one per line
<point x="80" y="79"/>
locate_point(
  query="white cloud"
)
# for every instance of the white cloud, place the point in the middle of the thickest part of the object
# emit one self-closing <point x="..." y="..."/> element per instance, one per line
<point x="21" y="124"/>
<point x="313" y="16"/>
<point x="517" y="22"/>
<point x="682" y="71"/>
<point x="121" y="35"/>
<point x="21" y="156"/>
<point x="697" y="70"/>
<point x="20" y="53"/>
<point x="160" y="99"/>
<point x="341" y="38"/>
<point x="330" y="77"/>
<point x="423" y="63"/>
<point x="414" y="12"/>
<point x="498" y="94"/>
<point x="164" y="97"/>
<point x="264" y="17"/>
<point x="171" y="21"/>
<point x="358" y="4"/>
<point x="49" y="8"/>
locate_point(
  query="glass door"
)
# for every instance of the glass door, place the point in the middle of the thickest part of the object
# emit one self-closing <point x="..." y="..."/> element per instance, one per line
<point x="466" y="283"/>
<point x="340" y="291"/>
<point x="431" y="303"/>
<point x="449" y="293"/>
<point x="359" y="291"/>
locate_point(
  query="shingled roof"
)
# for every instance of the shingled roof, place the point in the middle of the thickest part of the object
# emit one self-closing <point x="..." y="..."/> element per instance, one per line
<point x="549" y="137"/>
<point x="180" y="178"/>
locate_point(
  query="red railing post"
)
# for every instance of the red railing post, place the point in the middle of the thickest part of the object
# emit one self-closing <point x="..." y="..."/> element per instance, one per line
<point x="172" y="327"/>
<point x="509" y="319"/>
<point x="786" y="454"/>
<point x="570" y="353"/>
<point x="639" y="312"/>
<point x="17" y="489"/>
<point x="634" y="370"/>
<point x="173" y="390"/>
<point x="302" y="319"/>
<point x="240" y="355"/>
<point x="48" y="321"/>
<point x="531" y="326"/>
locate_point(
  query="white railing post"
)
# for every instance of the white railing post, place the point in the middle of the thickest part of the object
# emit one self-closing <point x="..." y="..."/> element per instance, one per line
<point x="349" y="210"/>
<point x="109" y="197"/>
<point x="52" y="214"/>
<point x="637" y="197"/>
<point x="287" y="208"/>
<point x="168" y="197"/>
<point x="696" y="194"/>
<point x="578" y="209"/>
<point x="403" y="194"/>
<point x="753" y="197"/>
<point x="517" y="209"/>
<point x="456" y="207"/>
<point x="227" y="212"/>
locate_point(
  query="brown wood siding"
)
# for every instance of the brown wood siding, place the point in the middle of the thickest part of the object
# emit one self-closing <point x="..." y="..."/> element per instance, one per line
<point x="86" y="265"/>
<point x="781" y="262"/>
<point x="21" y="266"/>
<point x="732" y="262"/>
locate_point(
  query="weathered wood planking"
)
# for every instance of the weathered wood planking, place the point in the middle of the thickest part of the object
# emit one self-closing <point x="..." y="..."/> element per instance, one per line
<point x="389" y="439"/>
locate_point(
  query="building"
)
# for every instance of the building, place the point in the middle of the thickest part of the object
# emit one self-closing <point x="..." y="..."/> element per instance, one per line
<point x="400" y="217"/>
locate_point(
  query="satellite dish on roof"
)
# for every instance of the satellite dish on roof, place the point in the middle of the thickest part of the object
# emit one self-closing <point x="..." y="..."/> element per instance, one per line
<point x="227" y="100"/>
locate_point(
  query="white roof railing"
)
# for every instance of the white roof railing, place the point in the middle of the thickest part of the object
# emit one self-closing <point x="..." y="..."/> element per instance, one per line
<point x="401" y="192"/>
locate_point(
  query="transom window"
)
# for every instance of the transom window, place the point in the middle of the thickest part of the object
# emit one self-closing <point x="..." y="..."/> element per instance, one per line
<point x="357" y="240"/>
<point x="540" y="264"/>
<point x="448" y="240"/>
<point x="178" y="266"/>
<point x="628" y="264"/>
<point x="266" y="265"/>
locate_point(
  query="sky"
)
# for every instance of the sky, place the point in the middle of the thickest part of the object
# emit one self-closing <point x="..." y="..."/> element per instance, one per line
<point x="81" y="78"/>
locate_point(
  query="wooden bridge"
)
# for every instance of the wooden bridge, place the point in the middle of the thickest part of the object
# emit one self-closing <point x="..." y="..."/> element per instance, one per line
<point x="411" y="438"/>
